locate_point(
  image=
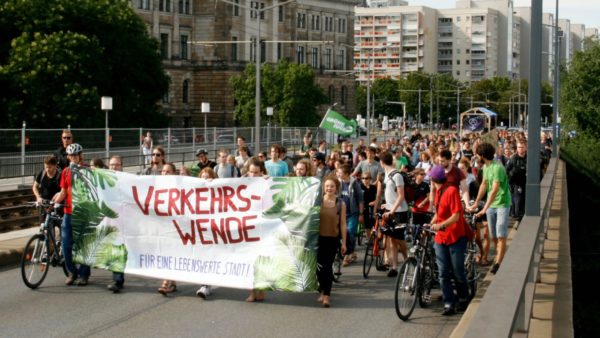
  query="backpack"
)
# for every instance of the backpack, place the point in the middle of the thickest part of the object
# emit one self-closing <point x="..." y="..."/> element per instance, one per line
<point x="409" y="188"/>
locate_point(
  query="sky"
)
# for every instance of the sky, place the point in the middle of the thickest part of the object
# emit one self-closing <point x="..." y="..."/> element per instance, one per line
<point x="578" y="11"/>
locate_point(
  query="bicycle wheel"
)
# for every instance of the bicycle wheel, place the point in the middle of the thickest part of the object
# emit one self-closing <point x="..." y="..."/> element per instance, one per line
<point x="34" y="262"/>
<point x="368" y="261"/>
<point x="360" y="233"/>
<point x="471" y="269"/>
<point x="426" y="281"/>
<point x="406" y="289"/>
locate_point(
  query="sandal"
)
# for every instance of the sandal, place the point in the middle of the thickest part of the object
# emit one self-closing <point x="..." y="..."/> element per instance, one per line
<point x="167" y="287"/>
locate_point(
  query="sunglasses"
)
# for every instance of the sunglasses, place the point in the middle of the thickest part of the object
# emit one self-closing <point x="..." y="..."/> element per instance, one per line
<point x="66" y="137"/>
<point x="157" y="154"/>
<point x="365" y="178"/>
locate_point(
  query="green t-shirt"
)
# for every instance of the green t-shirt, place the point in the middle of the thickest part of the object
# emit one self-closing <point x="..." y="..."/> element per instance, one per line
<point x="402" y="161"/>
<point x="495" y="172"/>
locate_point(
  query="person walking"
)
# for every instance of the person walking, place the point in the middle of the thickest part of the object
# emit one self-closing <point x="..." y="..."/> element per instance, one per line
<point x="450" y="242"/>
<point x="497" y="205"/>
<point x="332" y="228"/>
<point x="61" y="153"/>
<point x="116" y="163"/>
<point x="147" y="145"/>
<point x="516" y="169"/>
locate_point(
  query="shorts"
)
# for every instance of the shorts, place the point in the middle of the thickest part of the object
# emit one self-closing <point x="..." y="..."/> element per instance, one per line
<point x="394" y="227"/>
<point x="498" y="222"/>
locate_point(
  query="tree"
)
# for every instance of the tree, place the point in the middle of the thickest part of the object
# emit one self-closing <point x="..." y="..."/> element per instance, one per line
<point x="384" y="90"/>
<point x="580" y="94"/>
<point x="288" y="87"/>
<point x="58" y="57"/>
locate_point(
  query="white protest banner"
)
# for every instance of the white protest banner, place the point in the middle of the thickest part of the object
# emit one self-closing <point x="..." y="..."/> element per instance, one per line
<point x="243" y="232"/>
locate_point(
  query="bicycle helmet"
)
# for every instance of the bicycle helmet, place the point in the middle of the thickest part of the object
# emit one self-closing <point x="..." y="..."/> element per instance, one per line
<point x="74" y="149"/>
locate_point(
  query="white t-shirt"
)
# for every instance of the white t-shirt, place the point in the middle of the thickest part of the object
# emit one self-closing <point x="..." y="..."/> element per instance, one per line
<point x="391" y="194"/>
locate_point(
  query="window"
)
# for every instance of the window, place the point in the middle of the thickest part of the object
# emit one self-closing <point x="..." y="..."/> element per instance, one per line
<point x="279" y="51"/>
<point x="234" y="49"/>
<point x="184" y="6"/>
<point x="300" y="54"/>
<point x="164" y="45"/>
<point x="468" y="62"/>
<point x="254" y="7"/>
<point x="457" y="50"/>
<point x="344" y="97"/>
<point x="185" y="91"/>
<point x="263" y="51"/>
<point x="184" y="47"/>
<point x="312" y="22"/>
<point x="458" y="73"/>
<point x="165" y="98"/>
<point x="467" y="73"/>
<point x="236" y="8"/>
<point x="458" y="62"/>
<point x="341" y="59"/>
<point x="327" y="58"/>
<point x="318" y="26"/>
<point x="164" y="5"/>
<point x="458" y="19"/>
<point x="280" y="10"/>
<point x="144" y="4"/>
<point x="314" y="57"/>
<point x="301" y="20"/>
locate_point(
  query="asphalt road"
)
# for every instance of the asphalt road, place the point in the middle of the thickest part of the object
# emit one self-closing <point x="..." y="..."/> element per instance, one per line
<point x="360" y="308"/>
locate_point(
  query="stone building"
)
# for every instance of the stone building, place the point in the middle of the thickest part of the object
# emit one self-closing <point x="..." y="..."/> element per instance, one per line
<point x="205" y="42"/>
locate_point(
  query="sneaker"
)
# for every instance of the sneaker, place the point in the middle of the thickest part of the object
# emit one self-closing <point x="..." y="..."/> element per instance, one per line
<point x="346" y="261"/>
<point x="448" y="311"/>
<point x="70" y="279"/>
<point x="115" y="287"/>
<point x="495" y="268"/>
<point x="203" y="292"/>
<point x="392" y="273"/>
<point x="82" y="281"/>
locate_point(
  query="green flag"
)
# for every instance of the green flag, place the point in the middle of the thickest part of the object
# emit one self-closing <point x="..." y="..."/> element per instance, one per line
<point x="337" y="123"/>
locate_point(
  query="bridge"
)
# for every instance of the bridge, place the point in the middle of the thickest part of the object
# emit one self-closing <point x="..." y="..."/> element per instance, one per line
<point x="529" y="296"/>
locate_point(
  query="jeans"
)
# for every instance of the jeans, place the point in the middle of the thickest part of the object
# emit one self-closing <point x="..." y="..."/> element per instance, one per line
<point x="119" y="277"/>
<point x="451" y="263"/>
<point x="498" y="222"/>
<point x="67" y="248"/>
<point x="351" y="227"/>
<point x="518" y="201"/>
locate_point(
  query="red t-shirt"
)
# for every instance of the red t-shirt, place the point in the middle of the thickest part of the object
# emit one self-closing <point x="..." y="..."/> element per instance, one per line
<point x="454" y="176"/>
<point x="65" y="183"/>
<point x="446" y="205"/>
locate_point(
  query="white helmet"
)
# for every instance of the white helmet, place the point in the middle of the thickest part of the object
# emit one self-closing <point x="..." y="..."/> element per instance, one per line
<point x="74" y="149"/>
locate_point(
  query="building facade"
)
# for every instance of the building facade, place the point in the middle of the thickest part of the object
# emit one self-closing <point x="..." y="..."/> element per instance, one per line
<point x="204" y="43"/>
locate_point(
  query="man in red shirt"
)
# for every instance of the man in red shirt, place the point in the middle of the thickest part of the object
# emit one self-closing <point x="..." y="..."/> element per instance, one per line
<point x="75" y="156"/>
<point x="450" y="242"/>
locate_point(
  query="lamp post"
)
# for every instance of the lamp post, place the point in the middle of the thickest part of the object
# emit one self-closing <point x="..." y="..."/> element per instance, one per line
<point x="106" y="104"/>
<point x="269" y="114"/>
<point x="205" y="111"/>
<point x="557" y="35"/>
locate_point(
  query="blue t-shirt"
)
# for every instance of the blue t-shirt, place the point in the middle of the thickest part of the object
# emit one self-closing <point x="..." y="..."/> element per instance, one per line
<point x="276" y="169"/>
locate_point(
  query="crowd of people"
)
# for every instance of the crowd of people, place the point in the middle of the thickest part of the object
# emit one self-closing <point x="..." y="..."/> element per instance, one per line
<point x="431" y="179"/>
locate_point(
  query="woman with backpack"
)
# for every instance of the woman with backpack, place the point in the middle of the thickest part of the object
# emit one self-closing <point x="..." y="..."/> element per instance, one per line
<point x="331" y="230"/>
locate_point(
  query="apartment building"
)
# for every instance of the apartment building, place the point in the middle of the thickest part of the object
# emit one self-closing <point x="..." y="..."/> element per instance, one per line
<point x="392" y="40"/>
<point x="591" y="32"/>
<point x="204" y="43"/>
<point x="577" y="36"/>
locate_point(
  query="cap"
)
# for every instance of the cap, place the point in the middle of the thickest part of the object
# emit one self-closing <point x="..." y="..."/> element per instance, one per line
<point x="201" y="151"/>
<point x="437" y="173"/>
<point x="319" y="156"/>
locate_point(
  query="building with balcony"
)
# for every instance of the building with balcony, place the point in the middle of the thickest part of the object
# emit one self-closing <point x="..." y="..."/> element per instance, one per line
<point x="393" y="40"/>
<point x="204" y="43"/>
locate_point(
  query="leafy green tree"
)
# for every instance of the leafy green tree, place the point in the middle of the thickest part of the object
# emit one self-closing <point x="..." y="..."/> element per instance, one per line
<point x="384" y="90"/>
<point x="409" y="93"/>
<point x="58" y="57"/>
<point x="580" y="95"/>
<point x="288" y="87"/>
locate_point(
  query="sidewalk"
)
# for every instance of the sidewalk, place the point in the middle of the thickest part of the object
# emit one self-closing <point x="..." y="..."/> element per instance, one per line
<point x="12" y="244"/>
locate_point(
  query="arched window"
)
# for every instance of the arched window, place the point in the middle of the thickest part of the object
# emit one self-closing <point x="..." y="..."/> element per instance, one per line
<point x="331" y="94"/>
<point x="185" y="91"/>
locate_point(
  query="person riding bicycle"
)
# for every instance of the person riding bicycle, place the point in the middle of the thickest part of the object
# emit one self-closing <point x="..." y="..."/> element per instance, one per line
<point x="75" y="155"/>
<point x="450" y="242"/>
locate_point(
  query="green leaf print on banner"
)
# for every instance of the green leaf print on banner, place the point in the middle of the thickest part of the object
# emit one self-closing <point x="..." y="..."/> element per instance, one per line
<point x="94" y="244"/>
<point x="294" y="266"/>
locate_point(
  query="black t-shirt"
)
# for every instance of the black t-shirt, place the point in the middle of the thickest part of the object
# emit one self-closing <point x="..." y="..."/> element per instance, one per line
<point x="61" y="156"/>
<point x="209" y="163"/>
<point x="48" y="187"/>
<point x="468" y="153"/>
<point x="347" y="156"/>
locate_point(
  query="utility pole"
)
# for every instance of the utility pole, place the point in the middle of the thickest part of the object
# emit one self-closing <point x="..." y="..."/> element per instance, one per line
<point x="555" y="103"/>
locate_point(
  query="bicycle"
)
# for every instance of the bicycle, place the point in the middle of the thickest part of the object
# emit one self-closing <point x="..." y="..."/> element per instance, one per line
<point x="471" y="255"/>
<point x="375" y="246"/>
<point x="42" y="249"/>
<point x="417" y="274"/>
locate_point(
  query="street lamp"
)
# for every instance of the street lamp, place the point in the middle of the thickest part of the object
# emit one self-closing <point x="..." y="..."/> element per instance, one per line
<point x="258" y="11"/>
<point x="205" y="111"/>
<point x="269" y="114"/>
<point x="106" y="104"/>
<point x="557" y="36"/>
